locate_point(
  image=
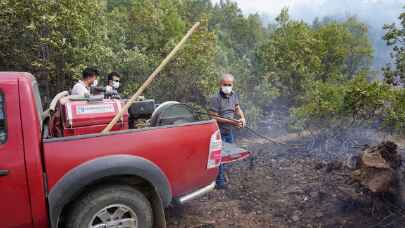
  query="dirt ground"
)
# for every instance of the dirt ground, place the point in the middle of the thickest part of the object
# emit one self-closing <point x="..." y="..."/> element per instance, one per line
<point x="287" y="187"/>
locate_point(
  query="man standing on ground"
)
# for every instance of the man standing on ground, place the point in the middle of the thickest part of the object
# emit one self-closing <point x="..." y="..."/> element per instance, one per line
<point x="89" y="78"/>
<point x="225" y="106"/>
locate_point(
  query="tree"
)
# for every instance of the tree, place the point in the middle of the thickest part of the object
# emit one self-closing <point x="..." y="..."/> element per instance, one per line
<point x="345" y="49"/>
<point x="395" y="37"/>
<point x="290" y="56"/>
<point x="54" y="40"/>
<point x="144" y="32"/>
<point x="297" y="54"/>
<point x="355" y="101"/>
<point x="360" y="48"/>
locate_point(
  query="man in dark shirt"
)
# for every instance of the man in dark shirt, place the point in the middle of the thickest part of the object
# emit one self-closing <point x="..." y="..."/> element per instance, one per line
<point x="224" y="107"/>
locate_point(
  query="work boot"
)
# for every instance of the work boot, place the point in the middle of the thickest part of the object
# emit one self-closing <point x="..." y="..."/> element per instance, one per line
<point x="220" y="182"/>
<point x="221" y="186"/>
<point x="226" y="178"/>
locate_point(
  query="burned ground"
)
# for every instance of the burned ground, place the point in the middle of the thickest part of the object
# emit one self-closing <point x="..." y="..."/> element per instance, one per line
<point x="292" y="187"/>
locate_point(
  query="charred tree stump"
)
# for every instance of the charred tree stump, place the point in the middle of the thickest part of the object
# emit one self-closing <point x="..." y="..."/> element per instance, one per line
<point x="379" y="169"/>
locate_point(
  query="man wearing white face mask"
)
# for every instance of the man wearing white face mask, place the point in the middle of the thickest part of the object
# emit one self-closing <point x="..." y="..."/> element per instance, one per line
<point x="113" y="83"/>
<point x="89" y="79"/>
<point x="224" y="107"/>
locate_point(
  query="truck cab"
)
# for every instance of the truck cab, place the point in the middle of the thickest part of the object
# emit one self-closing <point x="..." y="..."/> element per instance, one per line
<point x="121" y="179"/>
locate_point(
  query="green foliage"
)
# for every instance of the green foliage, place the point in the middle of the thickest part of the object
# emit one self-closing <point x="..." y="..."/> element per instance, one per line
<point x="289" y="56"/>
<point x="360" y="50"/>
<point x="52" y="39"/>
<point x="297" y="54"/>
<point x="364" y="100"/>
<point x="342" y="96"/>
<point x="354" y="103"/>
<point x="152" y="29"/>
<point x="330" y="105"/>
<point x="321" y="107"/>
<point x="321" y="69"/>
<point x="395" y="115"/>
<point x="395" y="37"/>
<point x="344" y="49"/>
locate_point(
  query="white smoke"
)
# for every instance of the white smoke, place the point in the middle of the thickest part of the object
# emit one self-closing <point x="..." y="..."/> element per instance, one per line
<point x="377" y="12"/>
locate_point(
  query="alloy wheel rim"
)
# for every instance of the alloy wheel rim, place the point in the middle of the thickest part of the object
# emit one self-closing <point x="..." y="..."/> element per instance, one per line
<point x="114" y="216"/>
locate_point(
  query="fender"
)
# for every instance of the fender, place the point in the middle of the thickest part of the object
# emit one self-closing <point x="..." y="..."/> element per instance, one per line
<point x="74" y="181"/>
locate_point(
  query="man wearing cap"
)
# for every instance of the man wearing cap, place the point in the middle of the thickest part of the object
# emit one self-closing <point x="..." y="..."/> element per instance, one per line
<point x="224" y="107"/>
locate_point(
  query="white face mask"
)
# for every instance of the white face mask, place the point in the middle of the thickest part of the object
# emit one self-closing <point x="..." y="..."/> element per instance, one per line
<point x="95" y="83"/>
<point x="116" y="85"/>
<point x="226" y="89"/>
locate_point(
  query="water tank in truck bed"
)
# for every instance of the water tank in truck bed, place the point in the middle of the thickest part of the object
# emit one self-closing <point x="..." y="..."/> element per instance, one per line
<point x="87" y="117"/>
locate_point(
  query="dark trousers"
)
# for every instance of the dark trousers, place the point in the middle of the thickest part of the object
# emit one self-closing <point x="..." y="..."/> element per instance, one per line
<point x="229" y="138"/>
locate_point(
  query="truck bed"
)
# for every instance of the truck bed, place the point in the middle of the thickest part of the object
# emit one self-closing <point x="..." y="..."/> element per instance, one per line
<point x="180" y="151"/>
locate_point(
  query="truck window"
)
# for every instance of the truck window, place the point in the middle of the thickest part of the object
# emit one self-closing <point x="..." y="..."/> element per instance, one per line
<point x="38" y="102"/>
<point x="3" y="124"/>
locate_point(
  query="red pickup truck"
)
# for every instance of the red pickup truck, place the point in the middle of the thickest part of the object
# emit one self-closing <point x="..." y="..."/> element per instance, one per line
<point x="121" y="179"/>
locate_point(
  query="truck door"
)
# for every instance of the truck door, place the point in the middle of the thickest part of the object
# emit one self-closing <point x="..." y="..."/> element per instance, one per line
<point x="15" y="208"/>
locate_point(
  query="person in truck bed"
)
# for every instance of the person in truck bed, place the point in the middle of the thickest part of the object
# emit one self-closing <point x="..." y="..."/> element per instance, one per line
<point x="89" y="78"/>
<point x="224" y="107"/>
<point x="113" y="83"/>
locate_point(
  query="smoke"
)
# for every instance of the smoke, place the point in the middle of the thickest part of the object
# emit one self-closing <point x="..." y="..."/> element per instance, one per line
<point x="375" y="12"/>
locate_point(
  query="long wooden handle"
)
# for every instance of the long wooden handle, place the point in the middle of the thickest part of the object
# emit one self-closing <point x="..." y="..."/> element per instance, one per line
<point x="118" y="116"/>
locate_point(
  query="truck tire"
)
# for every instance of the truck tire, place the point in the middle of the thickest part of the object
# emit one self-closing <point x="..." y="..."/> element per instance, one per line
<point x="109" y="207"/>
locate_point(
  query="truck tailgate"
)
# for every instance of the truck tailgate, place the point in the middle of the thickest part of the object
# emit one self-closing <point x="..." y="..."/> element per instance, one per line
<point x="232" y="153"/>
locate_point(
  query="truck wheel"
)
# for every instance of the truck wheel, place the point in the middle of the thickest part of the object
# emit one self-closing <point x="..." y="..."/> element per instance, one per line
<point x="112" y="206"/>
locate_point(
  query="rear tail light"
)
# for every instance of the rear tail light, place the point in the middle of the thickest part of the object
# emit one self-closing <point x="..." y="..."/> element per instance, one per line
<point x="214" y="155"/>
